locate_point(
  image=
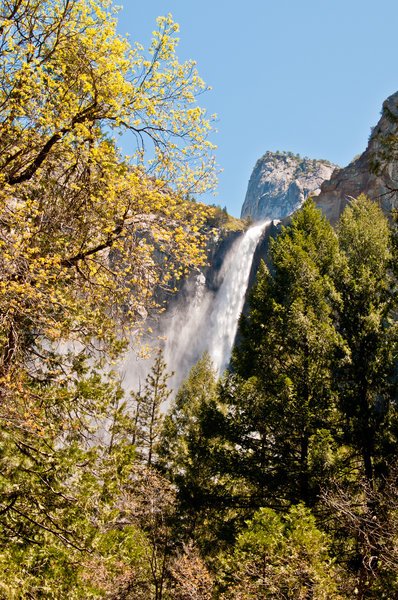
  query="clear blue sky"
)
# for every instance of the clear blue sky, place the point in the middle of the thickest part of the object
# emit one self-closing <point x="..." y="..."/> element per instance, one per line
<point x="307" y="76"/>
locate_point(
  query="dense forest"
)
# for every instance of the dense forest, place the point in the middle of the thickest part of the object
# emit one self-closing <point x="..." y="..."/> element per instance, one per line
<point x="277" y="481"/>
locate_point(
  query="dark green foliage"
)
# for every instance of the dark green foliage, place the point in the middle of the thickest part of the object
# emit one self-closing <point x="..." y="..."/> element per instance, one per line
<point x="181" y="435"/>
<point x="184" y="450"/>
<point x="288" y="347"/>
<point x="310" y="412"/>
<point x="367" y="382"/>
<point x="281" y="475"/>
<point x="301" y="437"/>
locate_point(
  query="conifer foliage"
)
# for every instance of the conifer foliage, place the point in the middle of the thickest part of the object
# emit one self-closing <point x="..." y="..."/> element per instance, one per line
<point x="288" y="349"/>
<point x="367" y="382"/>
<point x="277" y="481"/>
<point x="296" y="446"/>
<point x="146" y="412"/>
<point x="308" y="418"/>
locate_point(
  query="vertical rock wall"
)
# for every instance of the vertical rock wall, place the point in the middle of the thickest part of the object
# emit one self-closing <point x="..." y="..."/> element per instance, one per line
<point x="359" y="176"/>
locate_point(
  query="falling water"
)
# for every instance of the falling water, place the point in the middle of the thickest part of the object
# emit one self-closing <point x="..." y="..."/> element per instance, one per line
<point x="209" y="320"/>
<point x="228" y="303"/>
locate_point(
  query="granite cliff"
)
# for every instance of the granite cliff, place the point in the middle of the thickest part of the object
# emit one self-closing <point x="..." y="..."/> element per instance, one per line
<point x="280" y="182"/>
<point x="374" y="173"/>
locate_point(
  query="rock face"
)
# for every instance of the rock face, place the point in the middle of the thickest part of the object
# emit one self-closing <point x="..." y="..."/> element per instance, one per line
<point x="280" y="182"/>
<point x="359" y="176"/>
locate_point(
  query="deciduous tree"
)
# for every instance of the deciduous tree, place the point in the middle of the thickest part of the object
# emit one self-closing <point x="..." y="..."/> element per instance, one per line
<point x="79" y="223"/>
<point x="85" y="236"/>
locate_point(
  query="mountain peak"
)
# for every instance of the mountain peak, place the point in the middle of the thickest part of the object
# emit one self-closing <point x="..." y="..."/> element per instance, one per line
<point x="280" y="182"/>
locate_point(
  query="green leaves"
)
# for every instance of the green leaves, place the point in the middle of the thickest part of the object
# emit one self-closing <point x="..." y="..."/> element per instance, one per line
<point x="367" y="322"/>
<point x="85" y="237"/>
<point x="281" y="556"/>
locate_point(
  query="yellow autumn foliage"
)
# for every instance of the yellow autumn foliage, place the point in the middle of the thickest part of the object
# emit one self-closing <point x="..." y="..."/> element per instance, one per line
<point x="85" y="232"/>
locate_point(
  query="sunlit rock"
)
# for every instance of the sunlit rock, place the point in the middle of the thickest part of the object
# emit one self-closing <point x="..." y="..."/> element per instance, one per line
<point x="280" y="182"/>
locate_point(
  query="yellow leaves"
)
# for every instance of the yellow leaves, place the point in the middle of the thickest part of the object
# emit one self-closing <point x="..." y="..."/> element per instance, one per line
<point x="86" y="236"/>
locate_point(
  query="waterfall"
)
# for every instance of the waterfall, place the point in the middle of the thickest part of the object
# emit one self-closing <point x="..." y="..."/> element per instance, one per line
<point x="228" y="303"/>
<point x="209" y="320"/>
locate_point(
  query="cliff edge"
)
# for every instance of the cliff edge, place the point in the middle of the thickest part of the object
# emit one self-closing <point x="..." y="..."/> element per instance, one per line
<point x="374" y="173"/>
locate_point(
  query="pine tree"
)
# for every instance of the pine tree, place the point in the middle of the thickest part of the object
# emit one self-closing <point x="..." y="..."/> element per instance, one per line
<point x="280" y="556"/>
<point x="367" y="320"/>
<point x="283" y="385"/>
<point x="147" y="415"/>
<point x="184" y="451"/>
